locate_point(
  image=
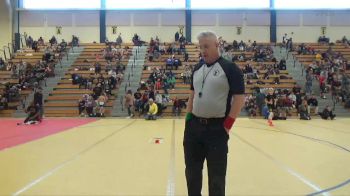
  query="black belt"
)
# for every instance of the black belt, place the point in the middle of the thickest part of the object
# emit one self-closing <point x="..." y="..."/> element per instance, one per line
<point x="207" y="121"/>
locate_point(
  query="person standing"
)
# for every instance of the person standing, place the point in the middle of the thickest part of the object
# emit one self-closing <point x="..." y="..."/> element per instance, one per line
<point x="38" y="101"/>
<point x="215" y="101"/>
<point x="129" y="103"/>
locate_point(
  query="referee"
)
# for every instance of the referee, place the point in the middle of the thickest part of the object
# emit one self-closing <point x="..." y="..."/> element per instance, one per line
<point x="216" y="99"/>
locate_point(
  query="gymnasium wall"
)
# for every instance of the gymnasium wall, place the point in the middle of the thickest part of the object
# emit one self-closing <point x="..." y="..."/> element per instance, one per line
<point x="146" y="24"/>
<point x="254" y="25"/>
<point x="305" y="26"/>
<point x="84" y="24"/>
<point x="5" y="23"/>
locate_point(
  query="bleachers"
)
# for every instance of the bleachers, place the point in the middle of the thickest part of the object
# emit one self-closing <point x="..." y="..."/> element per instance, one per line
<point x="307" y="59"/>
<point x="30" y="57"/>
<point x="181" y="90"/>
<point x="63" y="101"/>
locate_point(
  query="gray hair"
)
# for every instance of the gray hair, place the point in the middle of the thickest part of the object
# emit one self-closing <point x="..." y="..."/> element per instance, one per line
<point x="207" y="34"/>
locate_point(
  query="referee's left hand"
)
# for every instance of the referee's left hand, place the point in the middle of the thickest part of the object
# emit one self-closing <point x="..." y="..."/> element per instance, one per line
<point x="227" y="130"/>
<point x="228" y="123"/>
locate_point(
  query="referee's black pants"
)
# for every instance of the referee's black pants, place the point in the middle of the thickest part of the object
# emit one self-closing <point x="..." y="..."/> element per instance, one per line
<point x="205" y="140"/>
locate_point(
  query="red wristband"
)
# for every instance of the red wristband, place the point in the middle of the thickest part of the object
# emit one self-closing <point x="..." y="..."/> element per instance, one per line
<point x="229" y="121"/>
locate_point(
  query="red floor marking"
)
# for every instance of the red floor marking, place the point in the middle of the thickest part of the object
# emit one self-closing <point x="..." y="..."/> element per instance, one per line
<point x="12" y="134"/>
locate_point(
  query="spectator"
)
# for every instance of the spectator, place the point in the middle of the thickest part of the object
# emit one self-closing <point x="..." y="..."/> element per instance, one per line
<point x="268" y="114"/>
<point x="82" y="104"/>
<point x="303" y="111"/>
<point x="129" y="103"/>
<point x="260" y="100"/>
<point x="271" y="99"/>
<point x="137" y="98"/>
<point x="90" y="104"/>
<point x="152" y="111"/>
<point x="75" y="41"/>
<point x="177" y="36"/>
<point x="41" y="41"/>
<point x="308" y="84"/>
<point x="29" y="42"/>
<point x="327" y="113"/>
<point x="119" y="40"/>
<point x="38" y="101"/>
<point x="282" y="64"/>
<point x="53" y="41"/>
<point x="3" y="102"/>
<point x="2" y="64"/>
<point x="177" y="63"/>
<point x="169" y="63"/>
<point x="101" y="101"/>
<point x="33" y="117"/>
<point x="97" y="91"/>
<point x="322" y="84"/>
<point x="176" y="107"/>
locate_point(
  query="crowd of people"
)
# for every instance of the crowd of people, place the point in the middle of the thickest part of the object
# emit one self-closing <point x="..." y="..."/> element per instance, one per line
<point x="104" y="80"/>
<point x="150" y="91"/>
<point x="279" y="104"/>
<point x="329" y="70"/>
<point x="30" y="75"/>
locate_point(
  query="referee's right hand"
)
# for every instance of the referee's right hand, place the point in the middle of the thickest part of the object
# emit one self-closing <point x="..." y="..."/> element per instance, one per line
<point x="189" y="116"/>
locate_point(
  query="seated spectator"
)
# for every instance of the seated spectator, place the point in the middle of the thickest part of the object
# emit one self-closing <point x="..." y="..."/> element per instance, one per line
<point x="41" y="41"/>
<point x="336" y="89"/>
<point x="29" y="42"/>
<point x="182" y="39"/>
<point x="271" y="99"/>
<point x="3" y="102"/>
<point x="63" y="45"/>
<point x="97" y="68"/>
<point x="176" y="107"/>
<point x="158" y="84"/>
<point x="97" y="91"/>
<point x="2" y="64"/>
<point x="327" y="113"/>
<point x="81" y="104"/>
<point x="75" y="41"/>
<point x="89" y="106"/>
<point x="169" y="63"/>
<point x="177" y="36"/>
<point x="282" y="65"/>
<point x="152" y="111"/>
<point x="35" y="46"/>
<point x="33" y="117"/>
<point x="177" y="63"/>
<point x="136" y="40"/>
<point x="119" y="40"/>
<point x="53" y="41"/>
<point x="268" y="114"/>
<point x="303" y="111"/>
<point x="171" y="80"/>
<point x="323" y="39"/>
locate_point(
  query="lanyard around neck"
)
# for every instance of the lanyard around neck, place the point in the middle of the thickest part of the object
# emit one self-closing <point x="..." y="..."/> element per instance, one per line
<point x="205" y="76"/>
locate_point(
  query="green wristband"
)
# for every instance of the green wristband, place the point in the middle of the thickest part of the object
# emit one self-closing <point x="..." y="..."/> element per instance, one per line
<point x="189" y="116"/>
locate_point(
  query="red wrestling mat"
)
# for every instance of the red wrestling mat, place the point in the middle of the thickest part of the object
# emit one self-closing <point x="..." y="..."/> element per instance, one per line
<point x="12" y="134"/>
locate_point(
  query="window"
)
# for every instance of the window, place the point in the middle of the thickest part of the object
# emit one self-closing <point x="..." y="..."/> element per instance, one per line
<point x="145" y="4"/>
<point x="312" y="4"/>
<point x="230" y="4"/>
<point x="62" y="4"/>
